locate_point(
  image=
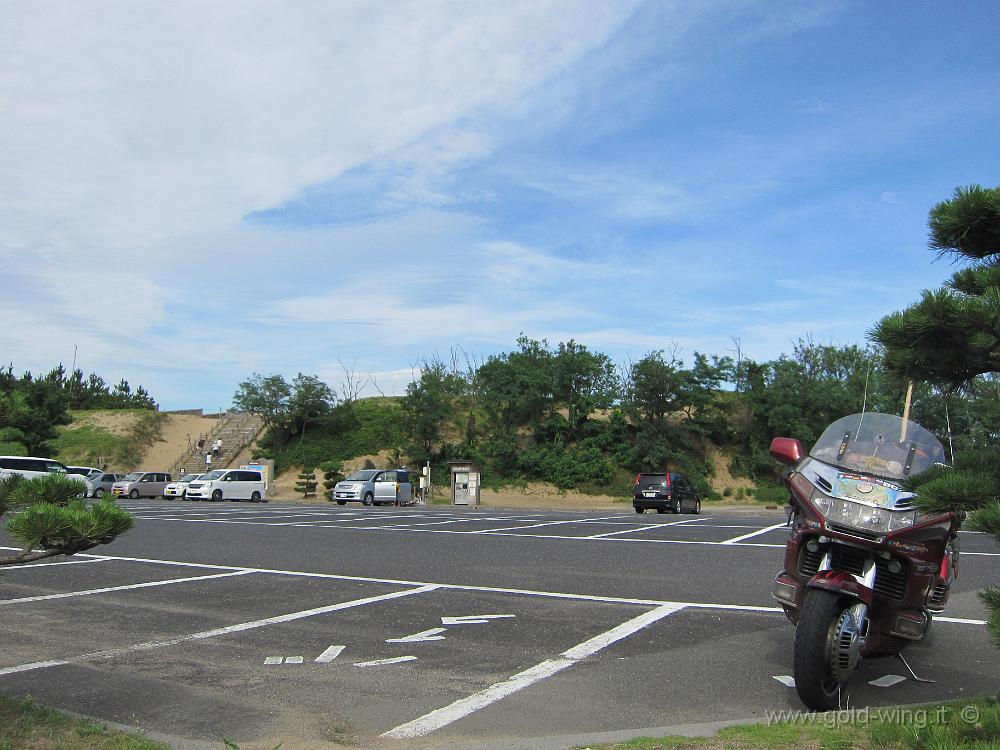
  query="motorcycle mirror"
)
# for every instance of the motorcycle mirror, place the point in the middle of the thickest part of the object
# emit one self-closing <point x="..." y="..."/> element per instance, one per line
<point x="787" y="450"/>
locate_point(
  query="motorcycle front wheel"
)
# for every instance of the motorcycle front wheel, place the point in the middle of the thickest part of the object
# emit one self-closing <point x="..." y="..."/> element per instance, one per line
<point x="818" y="687"/>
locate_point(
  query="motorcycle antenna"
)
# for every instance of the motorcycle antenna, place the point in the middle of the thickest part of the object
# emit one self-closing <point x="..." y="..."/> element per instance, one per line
<point x="864" y="403"/>
<point x="947" y="420"/>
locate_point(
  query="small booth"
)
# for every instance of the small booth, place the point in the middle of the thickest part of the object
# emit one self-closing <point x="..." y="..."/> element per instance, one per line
<point x="464" y="483"/>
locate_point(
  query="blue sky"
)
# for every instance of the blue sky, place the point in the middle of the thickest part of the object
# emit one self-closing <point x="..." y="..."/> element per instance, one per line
<point x="190" y="193"/>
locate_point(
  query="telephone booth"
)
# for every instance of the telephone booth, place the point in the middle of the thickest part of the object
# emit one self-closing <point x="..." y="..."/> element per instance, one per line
<point x="465" y="477"/>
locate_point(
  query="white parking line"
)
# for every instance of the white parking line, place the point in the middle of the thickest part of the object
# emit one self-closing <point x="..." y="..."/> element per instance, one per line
<point x="237" y="628"/>
<point x="9" y="568"/>
<point x="461" y="708"/>
<point x="752" y="534"/>
<point x="384" y="662"/>
<point x="150" y="584"/>
<point x="537" y="525"/>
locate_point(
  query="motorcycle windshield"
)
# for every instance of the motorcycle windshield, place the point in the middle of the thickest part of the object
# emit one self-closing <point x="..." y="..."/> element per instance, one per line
<point x="882" y="445"/>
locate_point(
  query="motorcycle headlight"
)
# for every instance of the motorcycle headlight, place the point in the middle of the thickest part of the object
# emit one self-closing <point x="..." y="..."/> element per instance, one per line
<point x="902" y="520"/>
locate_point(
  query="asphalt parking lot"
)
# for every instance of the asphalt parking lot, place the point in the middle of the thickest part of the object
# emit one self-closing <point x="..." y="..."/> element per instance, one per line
<point x="312" y="624"/>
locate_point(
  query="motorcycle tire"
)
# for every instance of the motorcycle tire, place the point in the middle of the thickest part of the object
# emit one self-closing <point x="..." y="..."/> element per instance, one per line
<point x="815" y="682"/>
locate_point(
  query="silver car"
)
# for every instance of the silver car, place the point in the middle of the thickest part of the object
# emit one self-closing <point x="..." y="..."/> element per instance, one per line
<point x="375" y="487"/>
<point x="141" y="484"/>
<point x="101" y="482"/>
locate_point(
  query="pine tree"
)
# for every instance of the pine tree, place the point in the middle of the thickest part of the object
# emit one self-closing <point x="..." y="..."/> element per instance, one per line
<point x="948" y="338"/>
<point x="307" y="483"/>
<point x="48" y="518"/>
<point x="331" y="475"/>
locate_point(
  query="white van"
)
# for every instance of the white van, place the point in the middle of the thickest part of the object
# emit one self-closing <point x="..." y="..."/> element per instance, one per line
<point x="228" y="484"/>
<point x="31" y="467"/>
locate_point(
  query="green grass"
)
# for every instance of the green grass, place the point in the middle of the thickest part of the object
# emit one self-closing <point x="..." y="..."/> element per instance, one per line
<point x="27" y="724"/>
<point x="87" y="444"/>
<point x="971" y="723"/>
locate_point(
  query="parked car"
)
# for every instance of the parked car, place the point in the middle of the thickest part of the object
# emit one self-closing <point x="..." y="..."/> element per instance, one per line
<point x="669" y="491"/>
<point x="83" y="471"/>
<point x="102" y="482"/>
<point x="179" y="487"/>
<point x="31" y="467"/>
<point x="141" y="484"/>
<point x="375" y="487"/>
<point x="228" y="484"/>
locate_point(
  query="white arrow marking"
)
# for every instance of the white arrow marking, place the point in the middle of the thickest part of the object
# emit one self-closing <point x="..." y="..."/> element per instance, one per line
<point x="888" y="681"/>
<point x="786" y="680"/>
<point x="380" y="662"/>
<point x="330" y="654"/>
<point x="471" y="619"/>
<point x="424" y="635"/>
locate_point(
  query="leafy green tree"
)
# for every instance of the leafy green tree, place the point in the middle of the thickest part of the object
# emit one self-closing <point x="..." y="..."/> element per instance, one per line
<point x="517" y="388"/>
<point x="583" y="381"/>
<point x="950" y="337"/>
<point x="30" y="411"/>
<point x="311" y="400"/>
<point x="266" y="396"/>
<point x="429" y="404"/>
<point x="47" y="518"/>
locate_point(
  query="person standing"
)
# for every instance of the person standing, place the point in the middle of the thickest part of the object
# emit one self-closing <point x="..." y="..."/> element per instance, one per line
<point x="217" y="447"/>
<point x="208" y="461"/>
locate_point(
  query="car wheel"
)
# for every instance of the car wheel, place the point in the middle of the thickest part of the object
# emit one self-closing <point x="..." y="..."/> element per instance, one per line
<point x="217" y="496"/>
<point x="254" y="497"/>
<point x="677" y="505"/>
<point x="368" y="499"/>
<point x="640" y="510"/>
<point x="697" y="505"/>
<point x="341" y="502"/>
<point x="99" y="493"/>
<point x="134" y="494"/>
<point x="661" y="510"/>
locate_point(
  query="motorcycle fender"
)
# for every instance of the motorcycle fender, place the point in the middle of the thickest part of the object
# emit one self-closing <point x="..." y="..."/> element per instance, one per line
<point x="841" y="582"/>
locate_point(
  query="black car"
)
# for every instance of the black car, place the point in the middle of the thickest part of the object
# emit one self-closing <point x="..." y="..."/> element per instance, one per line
<point x="670" y="491"/>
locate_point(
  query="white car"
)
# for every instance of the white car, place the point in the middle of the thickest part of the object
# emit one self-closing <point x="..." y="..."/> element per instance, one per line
<point x="228" y="484"/>
<point x="179" y="488"/>
<point x="31" y="467"/>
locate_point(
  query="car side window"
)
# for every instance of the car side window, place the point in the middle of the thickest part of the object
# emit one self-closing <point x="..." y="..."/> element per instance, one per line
<point x="388" y="476"/>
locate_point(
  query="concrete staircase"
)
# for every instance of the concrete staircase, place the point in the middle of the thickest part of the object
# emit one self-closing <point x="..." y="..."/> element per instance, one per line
<point x="236" y="430"/>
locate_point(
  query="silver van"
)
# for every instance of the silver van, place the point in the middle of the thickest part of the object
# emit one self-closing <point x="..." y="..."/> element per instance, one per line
<point x="375" y="487"/>
<point x="228" y="484"/>
<point x="32" y="467"/>
<point x="102" y="482"/>
<point x="141" y="484"/>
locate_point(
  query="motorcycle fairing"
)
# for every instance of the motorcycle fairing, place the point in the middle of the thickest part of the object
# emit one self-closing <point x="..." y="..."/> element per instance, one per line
<point x="841" y="582"/>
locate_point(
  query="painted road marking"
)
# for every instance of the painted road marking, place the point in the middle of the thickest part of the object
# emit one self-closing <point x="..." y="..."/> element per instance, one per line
<point x="330" y="654"/>
<point x="644" y="528"/>
<point x="785" y="679"/>
<point x="752" y="534"/>
<point x="293" y="660"/>
<point x="472" y="619"/>
<point x="238" y="628"/>
<point x="536" y="525"/>
<point x="50" y="564"/>
<point x="105" y="590"/>
<point x="424" y="635"/>
<point x="751" y="608"/>
<point x="274" y="659"/>
<point x="461" y="708"/>
<point x="383" y="662"/>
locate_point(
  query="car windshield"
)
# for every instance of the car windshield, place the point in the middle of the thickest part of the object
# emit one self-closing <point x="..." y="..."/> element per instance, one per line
<point x="362" y="476"/>
<point x="132" y="477"/>
<point x="189" y="477"/>
<point x="211" y="475"/>
<point x="881" y="444"/>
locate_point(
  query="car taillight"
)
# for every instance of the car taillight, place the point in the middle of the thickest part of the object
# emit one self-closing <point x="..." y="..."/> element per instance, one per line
<point x="637" y="480"/>
<point x="668" y="480"/>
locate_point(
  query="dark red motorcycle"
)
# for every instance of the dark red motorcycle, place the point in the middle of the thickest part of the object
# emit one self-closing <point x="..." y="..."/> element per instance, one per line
<point x="864" y="571"/>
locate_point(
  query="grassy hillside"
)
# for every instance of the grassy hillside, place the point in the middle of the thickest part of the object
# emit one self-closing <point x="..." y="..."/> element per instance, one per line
<point x="116" y="438"/>
<point x="361" y="428"/>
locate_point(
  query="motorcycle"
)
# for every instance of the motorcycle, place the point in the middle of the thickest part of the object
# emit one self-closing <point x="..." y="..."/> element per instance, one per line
<point x="864" y="571"/>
